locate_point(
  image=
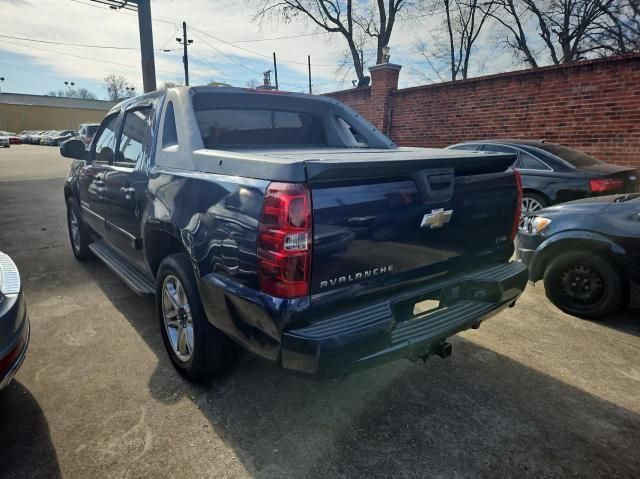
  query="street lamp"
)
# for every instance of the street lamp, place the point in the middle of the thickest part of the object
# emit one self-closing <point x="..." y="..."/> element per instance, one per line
<point x="69" y="85"/>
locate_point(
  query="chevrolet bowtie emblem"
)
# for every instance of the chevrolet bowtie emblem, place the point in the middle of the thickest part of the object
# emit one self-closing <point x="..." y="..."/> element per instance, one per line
<point x="436" y="219"/>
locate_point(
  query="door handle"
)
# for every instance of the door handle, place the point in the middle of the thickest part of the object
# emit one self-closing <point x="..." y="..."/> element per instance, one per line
<point x="128" y="191"/>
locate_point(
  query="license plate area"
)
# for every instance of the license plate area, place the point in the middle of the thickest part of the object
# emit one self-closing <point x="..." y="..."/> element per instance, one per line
<point x="426" y="307"/>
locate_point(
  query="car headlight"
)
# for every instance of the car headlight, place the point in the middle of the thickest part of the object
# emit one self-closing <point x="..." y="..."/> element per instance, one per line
<point x="536" y="224"/>
<point x="9" y="276"/>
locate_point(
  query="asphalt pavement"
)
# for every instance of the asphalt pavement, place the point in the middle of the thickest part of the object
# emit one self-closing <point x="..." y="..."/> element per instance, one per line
<point x="532" y="393"/>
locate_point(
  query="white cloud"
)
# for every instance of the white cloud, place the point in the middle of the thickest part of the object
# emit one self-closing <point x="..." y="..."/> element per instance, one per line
<point x="79" y="22"/>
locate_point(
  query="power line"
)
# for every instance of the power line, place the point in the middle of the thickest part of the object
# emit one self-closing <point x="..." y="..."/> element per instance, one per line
<point x="224" y="54"/>
<point x="82" y="45"/>
<point x="261" y="54"/>
<point x="84" y="58"/>
<point x="169" y="22"/>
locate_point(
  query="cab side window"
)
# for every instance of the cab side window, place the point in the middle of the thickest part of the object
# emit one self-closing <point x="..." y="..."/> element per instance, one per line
<point x="135" y="132"/>
<point x="105" y="140"/>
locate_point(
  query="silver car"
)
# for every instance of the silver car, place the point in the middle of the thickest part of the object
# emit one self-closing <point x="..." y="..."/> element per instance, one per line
<point x="14" y="324"/>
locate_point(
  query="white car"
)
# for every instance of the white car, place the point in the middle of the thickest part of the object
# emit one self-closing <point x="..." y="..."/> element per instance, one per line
<point x="4" y="142"/>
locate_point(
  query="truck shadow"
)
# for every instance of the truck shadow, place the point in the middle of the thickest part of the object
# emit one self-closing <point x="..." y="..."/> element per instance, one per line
<point x="26" y="449"/>
<point x="476" y="414"/>
<point x="626" y="322"/>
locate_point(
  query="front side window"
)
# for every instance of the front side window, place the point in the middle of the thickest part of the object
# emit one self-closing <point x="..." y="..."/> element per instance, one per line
<point x="134" y="133"/>
<point x="105" y="140"/>
<point x="238" y="127"/>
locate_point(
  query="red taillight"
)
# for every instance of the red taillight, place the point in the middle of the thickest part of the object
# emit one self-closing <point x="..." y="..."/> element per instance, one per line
<point x="284" y="241"/>
<point x="8" y="360"/>
<point x="516" y="218"/>
<point x="601" y="185"/>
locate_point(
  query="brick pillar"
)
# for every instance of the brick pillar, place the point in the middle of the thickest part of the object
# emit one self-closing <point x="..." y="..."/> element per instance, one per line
<point x="384" y="81"/>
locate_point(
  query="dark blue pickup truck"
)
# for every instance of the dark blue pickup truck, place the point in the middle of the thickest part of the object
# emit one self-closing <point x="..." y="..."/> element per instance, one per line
<point x="287" y="224"/>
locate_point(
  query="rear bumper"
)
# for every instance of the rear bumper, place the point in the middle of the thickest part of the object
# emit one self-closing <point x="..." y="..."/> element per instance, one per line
<point x="388" y="329"/>
<point x="13" y="349"/>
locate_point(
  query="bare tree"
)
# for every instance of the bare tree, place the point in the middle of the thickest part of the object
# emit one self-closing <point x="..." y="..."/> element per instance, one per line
<point x="619" y="28"/>
<point x="353" y="20"/>
<point x="566" y="28"/>
<point x="169" y="84"/>
<point x="462" y="23"/>
<point x="73" y="93"/>
<point x="116" y="86"/>
<point x="512" y="15"/>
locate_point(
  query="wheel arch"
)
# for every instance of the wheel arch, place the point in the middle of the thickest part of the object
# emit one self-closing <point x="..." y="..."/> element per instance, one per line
<point x="572" y="241"/>
<point x="537" y="193"/>
<point x="161" y="240"/>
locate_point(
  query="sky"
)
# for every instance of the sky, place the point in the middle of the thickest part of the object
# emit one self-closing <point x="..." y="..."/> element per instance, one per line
<point x="228" y="46"/>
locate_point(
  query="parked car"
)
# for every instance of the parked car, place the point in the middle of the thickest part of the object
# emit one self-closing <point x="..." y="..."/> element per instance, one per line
<point x="44" y="140"/>
<point x="587" y="252"/>
<point x="227" y="223"/>
<point x="4" y="142"/>
<point x="24" y="134"/>
<point x="34" y="138"/>
<point x="86" y="131"/>
<point x="60" y="136"/>
<point x="554" y="174"/>
<point x="14" y="139"/>
<point x="14" y="324"/>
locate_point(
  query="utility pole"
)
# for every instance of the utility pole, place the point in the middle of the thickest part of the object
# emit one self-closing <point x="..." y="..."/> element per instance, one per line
<point x="146" y="45"/>
<point x="275" y="69"/>
<point x="4" y="118"/>
<point x="185" y="42"/>
<point x="309" y="63"/>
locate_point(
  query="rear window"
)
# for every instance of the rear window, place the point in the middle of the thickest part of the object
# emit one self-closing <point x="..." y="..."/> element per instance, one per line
<point x="576" y="158"/>
<point x="91" y="129"/>
<point x="225" y="127"/>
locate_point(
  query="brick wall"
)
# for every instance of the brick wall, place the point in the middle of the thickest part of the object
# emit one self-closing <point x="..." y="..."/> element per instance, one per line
<point x="593" y="106"/>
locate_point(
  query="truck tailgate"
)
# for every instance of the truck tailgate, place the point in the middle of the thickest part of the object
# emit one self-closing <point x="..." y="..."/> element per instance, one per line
<point x="385" y="222"/>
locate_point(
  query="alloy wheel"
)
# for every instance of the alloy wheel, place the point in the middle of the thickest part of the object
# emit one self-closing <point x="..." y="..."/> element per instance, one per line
<point x="74" y="227"/>
<point x="178" y="320"/>
<point x="529" y="205"/>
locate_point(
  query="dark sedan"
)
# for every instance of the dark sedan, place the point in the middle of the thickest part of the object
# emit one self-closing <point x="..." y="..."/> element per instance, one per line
<point x="587" y="252"/>
<point x="14" y="325"/>
<point x="554" y="174"/>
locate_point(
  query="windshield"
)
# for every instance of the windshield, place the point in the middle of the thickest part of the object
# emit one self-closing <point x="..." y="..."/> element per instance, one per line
<point x="91" y="129"/>
<point x="576" y="158"/>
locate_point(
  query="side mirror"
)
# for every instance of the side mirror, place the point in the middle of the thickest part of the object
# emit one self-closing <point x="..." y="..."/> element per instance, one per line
<point x="73" y="148"/>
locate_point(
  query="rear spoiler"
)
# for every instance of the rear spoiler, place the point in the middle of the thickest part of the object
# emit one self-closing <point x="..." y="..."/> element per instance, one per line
<point x="368" y="168"/>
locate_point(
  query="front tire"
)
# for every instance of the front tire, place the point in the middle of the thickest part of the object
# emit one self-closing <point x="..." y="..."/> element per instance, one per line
<point x="584" y="284"/>
<point x="196" y="348"/>
<point x="78" y="233"/>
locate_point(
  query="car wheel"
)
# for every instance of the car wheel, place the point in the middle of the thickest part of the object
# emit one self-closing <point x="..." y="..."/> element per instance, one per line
<point x="531" y="202"/>
<point x="585" y="284"/>
<point x="78" y="234"/>
<point x="196" y="348"/>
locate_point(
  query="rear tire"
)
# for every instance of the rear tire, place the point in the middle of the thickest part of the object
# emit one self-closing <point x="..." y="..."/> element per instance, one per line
<point x="78" y="233"/>
<point x="196" y="348"/>
<point x="586" y="285"/>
